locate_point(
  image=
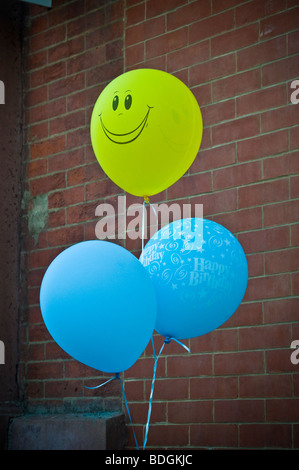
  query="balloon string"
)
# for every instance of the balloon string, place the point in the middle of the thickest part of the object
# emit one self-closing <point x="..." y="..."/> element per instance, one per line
<point x="166" y="341"/>
<point x="127" y="406"/>
<point x="146" y="201"/>
<point x="125" y="398"/>
<point x="101" y="385"/>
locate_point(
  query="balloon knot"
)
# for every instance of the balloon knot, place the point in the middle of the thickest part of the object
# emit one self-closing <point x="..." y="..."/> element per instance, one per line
<point x="146" y="199"/>
<point x="116" y="375"/>
<point x="167" y="339"/>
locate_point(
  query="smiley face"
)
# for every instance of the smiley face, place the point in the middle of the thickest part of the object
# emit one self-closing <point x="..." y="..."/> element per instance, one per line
<point x="146" y="129"/>
<point x="120" y="109"/>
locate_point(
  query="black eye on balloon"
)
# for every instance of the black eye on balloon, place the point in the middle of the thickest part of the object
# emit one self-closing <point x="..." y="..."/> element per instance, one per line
<point x="115" y="102"/>
<point x="128" y="101"/>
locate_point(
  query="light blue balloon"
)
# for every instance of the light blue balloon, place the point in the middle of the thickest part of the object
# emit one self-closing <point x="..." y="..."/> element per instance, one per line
<point x="200" y="274"/>
<point x="99" y="305"/>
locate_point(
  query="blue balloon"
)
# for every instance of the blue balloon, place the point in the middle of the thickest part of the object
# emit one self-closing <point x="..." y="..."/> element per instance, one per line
<point x="99" y="305"/>
<point x="200" y="274"/>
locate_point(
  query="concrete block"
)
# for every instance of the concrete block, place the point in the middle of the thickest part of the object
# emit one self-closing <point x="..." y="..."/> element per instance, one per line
<point x="68" y="432"/>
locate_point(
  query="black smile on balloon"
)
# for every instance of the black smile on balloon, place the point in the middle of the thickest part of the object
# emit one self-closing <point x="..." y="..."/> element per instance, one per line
<point x="129" y="136"/>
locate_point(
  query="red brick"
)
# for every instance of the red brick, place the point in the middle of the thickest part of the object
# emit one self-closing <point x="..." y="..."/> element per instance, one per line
<point x="259" y="386"/>
<point x="156" y="7"/>
<point x="234" y="40"/>
<point x="294" y="186"/>
<point x="65" y="13"/>
<point x="165" y="435"/>
<point x="220" y="201"/>
<point x="214" y="435"/>
<point x="293" y="42"/>
<point x="282" y="261"/>
<point x="294" y="137"/>
<point x="235" y="130"/>
<point x="46" y="184"/>
<point x="264" y="240"/>
<point x="166" y="43"/>
<point x="214" y="158"/>
<point x="241" y="220"/>
<point x="50" y="36"/>
<point x="81" y="213"/>
<point x="63" y="124"/>
<point x="38" y="132"/>
<point x="213" y="387"/>
<point x="281" y="213"/>
<point x="264" y="337"/>
<point x="36" y="96"/>
<point x="66" y="161"/>
<point x="239" y="363"/>
<point x="219" y="339"/>
<point x="207" y="27"/>
<point x="42" y="258"/>
<point x="212" y="69"/>
<point x="193" y="184"/>
<point x="86" y="60"/>
<point x="78" y="137"/>
<point x="67" y="85"/>
<point x="261" y="100"/>
<point x="263" y="193"/>
<point x="169" y="389"/>
<point x="280" y="23"/>
<point x="236" y="85"/>
<point x="295" y="235"/>
<point x="48" y="74"/>
<point x="286" y="410"/>
<point x="255" y="265"/>
<point x="263" y="145"/>
<point x="56" y="218"/>
<point x="89" y="21"/>
<point x="135" y="14"/>
<point x="37" y="168"/>
<point x="274" y="286"/>
<point x="36" y="60"/>
<point x="102" y="74"/>
<point x="187" y="57"/>
<point x="203" y="95"/>
<point x="261" y="53"/>
<point x="278" y="311"/>
<point x="66" y="236"/>
<point x="279" y="118"/>
<point x="189" y="365"/>
<point x="218" y="112"/>
<point x="239" y="411"/>
<point x="280" y="71"/>
<point x="47" y="147"/>
<point x="188" y="14"/>
<point x="190" y="412"/>
<point x="47" y="110"/>
<point x="236" y="175"/>
<point x="44" y="370"/>
<point x="265" y="436"/>
<point x="134" y="54"/>
<point x="256" y="10"/>
<point x="64" y="388"/>
<point x="145" y="30"/>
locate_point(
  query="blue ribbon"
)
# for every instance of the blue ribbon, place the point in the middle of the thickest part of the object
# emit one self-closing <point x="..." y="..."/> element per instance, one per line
<point x="125" y="398"/>
<point x="166" y="341"/>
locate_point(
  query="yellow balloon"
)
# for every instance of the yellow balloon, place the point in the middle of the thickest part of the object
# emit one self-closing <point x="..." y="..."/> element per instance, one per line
<point x="146" y="129"/>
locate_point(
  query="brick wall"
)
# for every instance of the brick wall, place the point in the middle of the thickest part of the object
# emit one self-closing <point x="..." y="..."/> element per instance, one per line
<point x="238" y="387"/>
